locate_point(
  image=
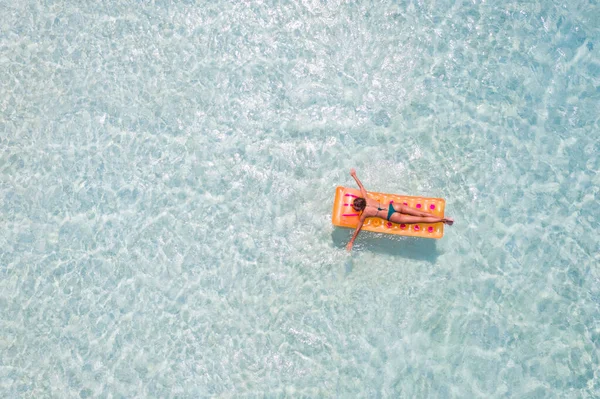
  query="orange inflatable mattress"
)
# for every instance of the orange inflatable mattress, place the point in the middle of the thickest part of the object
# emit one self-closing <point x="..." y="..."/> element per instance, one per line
<point x="345" y="216"/>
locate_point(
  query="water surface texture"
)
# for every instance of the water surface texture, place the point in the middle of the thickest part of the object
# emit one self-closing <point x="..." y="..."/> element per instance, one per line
<point x="167" y="171"/>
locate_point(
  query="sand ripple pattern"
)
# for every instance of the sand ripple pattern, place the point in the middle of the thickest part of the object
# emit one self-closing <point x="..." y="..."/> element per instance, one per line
<point x="166" y="176"/>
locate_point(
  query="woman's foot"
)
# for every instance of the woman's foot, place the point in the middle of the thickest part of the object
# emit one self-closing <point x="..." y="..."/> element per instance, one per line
<point x="449" y="221"/>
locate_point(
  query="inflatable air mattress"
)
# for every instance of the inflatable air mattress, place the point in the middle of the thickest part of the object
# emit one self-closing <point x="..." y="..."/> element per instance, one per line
<point x="344" y="214"/>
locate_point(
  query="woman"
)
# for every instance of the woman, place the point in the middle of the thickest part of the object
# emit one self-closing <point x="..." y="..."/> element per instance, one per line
<point x="394" y="213"/>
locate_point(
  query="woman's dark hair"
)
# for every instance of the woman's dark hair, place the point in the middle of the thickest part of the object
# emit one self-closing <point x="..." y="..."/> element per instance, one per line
<point x="359" y="204"/>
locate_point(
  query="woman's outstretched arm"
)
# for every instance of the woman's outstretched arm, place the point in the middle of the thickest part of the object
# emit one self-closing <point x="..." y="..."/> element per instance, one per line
<point x="360" y="224"/>
<point x="362" y="188"/>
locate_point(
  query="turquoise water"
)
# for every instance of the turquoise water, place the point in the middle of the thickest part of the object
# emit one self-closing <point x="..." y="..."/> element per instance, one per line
<point x="167" y="172"/>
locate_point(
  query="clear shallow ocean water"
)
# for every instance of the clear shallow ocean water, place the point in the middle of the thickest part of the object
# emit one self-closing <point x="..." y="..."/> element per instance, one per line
<point x="167" y="171"/>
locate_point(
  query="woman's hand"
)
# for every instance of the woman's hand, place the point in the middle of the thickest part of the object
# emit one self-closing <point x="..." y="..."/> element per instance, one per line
<point x="352" y="172"/>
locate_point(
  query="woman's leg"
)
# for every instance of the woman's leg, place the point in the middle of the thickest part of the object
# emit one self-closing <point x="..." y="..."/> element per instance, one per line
<point x="412" y="211"/>
<point x="407" y="219"/>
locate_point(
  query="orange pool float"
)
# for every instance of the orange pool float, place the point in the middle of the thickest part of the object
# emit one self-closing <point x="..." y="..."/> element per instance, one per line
<point x="345" y="216"/>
